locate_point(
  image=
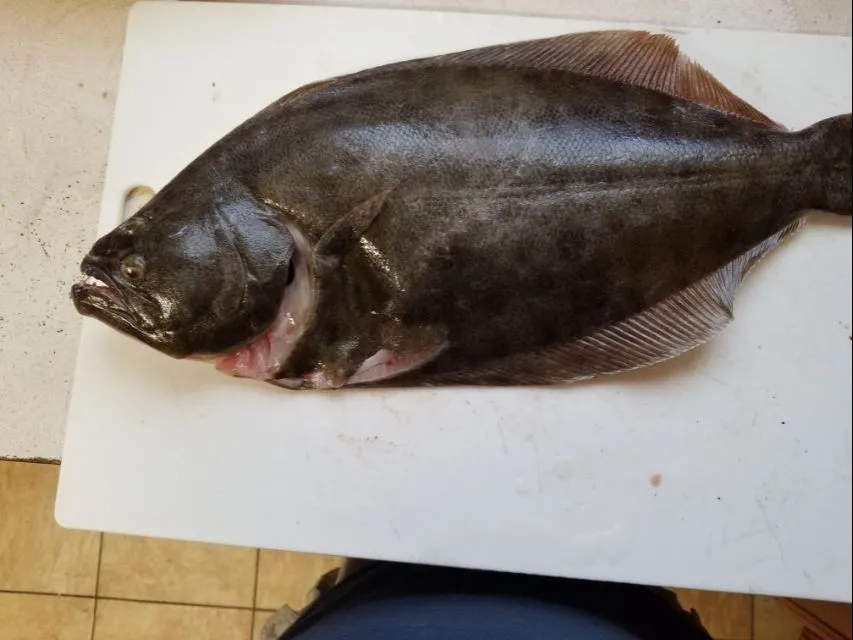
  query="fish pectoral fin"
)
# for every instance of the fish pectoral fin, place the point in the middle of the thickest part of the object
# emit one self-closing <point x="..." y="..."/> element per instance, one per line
<point x="639" y="58"/>
<point x="387" y="363"/>
<point x="679" y="323"/>
<point x="345" y="233"/>
<point x="294" y="384"/>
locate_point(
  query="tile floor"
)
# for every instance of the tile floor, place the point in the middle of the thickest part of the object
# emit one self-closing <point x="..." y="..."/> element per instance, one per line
<point x="57" y="584"/>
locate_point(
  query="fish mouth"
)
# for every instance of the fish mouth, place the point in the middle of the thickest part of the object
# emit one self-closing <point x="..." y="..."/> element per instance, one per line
<point x="98" y="296"/>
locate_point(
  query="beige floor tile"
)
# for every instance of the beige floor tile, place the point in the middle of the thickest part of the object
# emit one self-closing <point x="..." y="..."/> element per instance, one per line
<point x="31" y="617"/>
<point x="37" y="554"/>
<point x="260" y="619"/>
<point x="119" y="620"/>
<point x="258" y="623"/>
<point x="726" y="616"/>
<point x="774" y="621"/>
<point x="287" y="578"/>
<point x="142" y="568"/>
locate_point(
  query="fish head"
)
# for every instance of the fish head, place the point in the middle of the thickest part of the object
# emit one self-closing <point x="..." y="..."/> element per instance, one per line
<point x="192" y="277"/>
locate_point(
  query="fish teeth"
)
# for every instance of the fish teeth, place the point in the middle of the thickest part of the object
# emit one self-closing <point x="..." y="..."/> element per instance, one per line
<point x="92" y="281"/>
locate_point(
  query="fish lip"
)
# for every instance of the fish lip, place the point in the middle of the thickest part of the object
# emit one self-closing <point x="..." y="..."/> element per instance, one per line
<point x="108" y="304"/>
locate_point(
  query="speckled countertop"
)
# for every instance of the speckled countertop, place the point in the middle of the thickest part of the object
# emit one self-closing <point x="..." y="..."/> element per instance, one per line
<point x="60" y="67"/>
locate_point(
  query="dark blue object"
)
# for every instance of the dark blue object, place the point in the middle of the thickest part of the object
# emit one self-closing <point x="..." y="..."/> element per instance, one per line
<point x="390" y="601"/>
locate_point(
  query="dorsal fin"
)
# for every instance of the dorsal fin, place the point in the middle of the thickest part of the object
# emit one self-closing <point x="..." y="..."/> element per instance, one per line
<point x="305" y="90"/>
<point x="639" y="58"/>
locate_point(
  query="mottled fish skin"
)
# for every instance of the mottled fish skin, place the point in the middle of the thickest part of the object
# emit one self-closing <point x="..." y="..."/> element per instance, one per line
<point x="529" y="206"/>
<point x="521" y="208"/>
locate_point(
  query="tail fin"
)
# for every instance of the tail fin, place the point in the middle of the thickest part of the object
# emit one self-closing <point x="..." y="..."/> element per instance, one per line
<point x="833" y="140"/>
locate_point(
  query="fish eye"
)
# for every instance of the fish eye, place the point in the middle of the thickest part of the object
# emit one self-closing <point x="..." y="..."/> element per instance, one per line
<point x="133" y="268"/>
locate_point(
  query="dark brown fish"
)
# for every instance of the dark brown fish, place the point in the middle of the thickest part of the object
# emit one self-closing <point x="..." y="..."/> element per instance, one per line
<point x="531" y="213"/>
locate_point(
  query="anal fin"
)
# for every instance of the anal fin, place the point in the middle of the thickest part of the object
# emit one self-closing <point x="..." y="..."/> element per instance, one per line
<point x="679" y="323"/>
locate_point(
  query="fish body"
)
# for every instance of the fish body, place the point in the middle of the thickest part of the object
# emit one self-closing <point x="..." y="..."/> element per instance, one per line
<point x="532" y="213"/>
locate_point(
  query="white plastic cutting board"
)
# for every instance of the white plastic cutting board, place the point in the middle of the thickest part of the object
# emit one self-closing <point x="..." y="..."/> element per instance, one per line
<point x="729" y="468"/>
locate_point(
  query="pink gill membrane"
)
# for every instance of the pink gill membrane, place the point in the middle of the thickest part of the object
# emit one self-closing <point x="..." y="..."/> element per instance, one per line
<point x="262" y="358"/>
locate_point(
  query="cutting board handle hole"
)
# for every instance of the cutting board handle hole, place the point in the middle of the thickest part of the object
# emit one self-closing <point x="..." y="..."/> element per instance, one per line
<point x="135" y="198"/>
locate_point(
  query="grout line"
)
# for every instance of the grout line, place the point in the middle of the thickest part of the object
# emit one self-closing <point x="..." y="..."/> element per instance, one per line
<point x="48" y="594"/>
<point x="255" y="585"/>
<point x="177" y="604"/>
<point x="255" y="593"/>
<point x="752" y="619"/>
<point x="97" y="585"/>
<point x="100" y="558"/>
